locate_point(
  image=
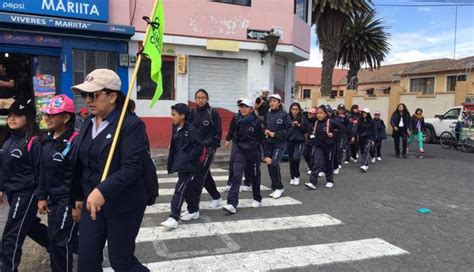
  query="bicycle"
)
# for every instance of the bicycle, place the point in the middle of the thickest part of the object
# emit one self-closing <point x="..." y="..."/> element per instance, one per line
<point x="453" y="138"/>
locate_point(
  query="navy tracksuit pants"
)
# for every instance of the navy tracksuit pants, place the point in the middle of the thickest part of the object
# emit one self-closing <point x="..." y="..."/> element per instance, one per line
<point x="295" y="150"/>
<point x="323" y="162"/>
<point x="339" y="150"/>
<point x="184" y="179"/>
<point x="120" y="231"/>
<point x="233" y="151"/>
<point x="274" y="167"/>
<point x="62" y="231"/>
<point x="249" y="163"/>
<point x="308" y="155"/>
<point x="367" y="150"/>
<point x="22" y="221"/>
<point x="202" y="179"/>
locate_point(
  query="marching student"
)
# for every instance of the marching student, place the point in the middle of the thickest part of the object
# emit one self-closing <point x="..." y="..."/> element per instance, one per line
<point x="55" y="181"/>
<point x="207" y="122"/>
<point x="248" y="138"/>
<point x="366" y="131"/>
<point x="20" y="169"/>
<point x="277" y="130"/>
<point x="400" y="122"/>
<point x="352" y="151"/>
<point x="308" y="146"/>
<point x="417" y="127"/>
<point x="341" y="136"/>
<point x="380" y="135"/>
<point x="184" y="154"/>
<point x="323" y="149"/>
<point x="296" y="141"/>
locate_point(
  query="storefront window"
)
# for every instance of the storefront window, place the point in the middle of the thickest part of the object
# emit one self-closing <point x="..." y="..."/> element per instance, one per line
<point x="146" y="87"/>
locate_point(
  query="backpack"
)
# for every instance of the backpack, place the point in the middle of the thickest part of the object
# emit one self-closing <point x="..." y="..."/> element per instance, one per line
<point x="327" y="128"/>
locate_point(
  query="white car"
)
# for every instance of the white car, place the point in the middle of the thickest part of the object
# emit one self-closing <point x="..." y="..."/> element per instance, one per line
<point x="435" y="126"/>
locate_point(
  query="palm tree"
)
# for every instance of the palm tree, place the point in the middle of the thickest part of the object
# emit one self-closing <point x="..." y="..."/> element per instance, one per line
<point x="331" y="18"/>
<point x="365" y="41"/>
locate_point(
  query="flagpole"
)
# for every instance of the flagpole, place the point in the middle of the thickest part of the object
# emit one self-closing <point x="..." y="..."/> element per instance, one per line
<point x="127" y="99"/>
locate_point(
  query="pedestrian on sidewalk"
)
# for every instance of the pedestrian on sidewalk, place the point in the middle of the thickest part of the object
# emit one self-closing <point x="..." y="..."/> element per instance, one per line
<point x="380" y="135"/>
<point x="367" y="131"/>
<point x="19" y="176"/>
<point x="308" y="146"/>
<point x="324" y="142"/>
<point x="417" y="128"/>
<point x="341" y="137"/>
<point x="277" y="131"/>
<point x="248" y="137"/>
<point x="184" y="154"/>
<point x="207" y="122"/>
<point x="400" y="122"/>
<point x="115" y="207"/>
<point x="296" y="141"/>
<point x="55" y="181"/>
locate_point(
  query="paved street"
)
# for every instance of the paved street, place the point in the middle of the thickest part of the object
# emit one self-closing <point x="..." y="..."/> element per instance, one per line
<point x="367" y="222"/>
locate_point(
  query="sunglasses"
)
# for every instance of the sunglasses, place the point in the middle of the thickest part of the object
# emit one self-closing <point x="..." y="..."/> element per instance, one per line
<point x="92" y="96"/>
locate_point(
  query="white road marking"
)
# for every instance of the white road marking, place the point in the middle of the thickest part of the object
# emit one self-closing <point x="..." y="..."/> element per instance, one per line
<point x="213" y="170"/>
<point x="164" y="192"/>
<point x="175" y="179"/>
<point x="148" y="234"/>
<point x="284" y="258"/>
<point x="243" y="203"/>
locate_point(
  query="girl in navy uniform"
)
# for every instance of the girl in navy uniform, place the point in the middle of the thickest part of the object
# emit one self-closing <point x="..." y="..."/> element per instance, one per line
<point x="20" y="159"/>
<point x="380" y="135"/>
<point x="184" y="155"/>
<point x="55" y="181"/>
<point x="367" y="132"/>
<point x="248" y="138"/>
<point x="277" y="130"/>
<point x="296" y="142"/>
<point x="114" y="208"/>
<point x="322" y="135"/>
<point x="341" y="136"/>
<point x="352" y="150"/>
<point x="308" y="146"/>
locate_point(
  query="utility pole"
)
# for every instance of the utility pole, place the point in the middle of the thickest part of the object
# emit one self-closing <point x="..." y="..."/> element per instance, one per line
<point x="455" y="29"/>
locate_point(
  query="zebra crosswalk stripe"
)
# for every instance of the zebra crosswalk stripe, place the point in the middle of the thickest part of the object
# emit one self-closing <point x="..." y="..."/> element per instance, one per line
<point x="164" y="192"/>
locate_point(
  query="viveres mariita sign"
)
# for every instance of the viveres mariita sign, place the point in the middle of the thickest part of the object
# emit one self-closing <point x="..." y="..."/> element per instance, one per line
<point x="91" y="10"/>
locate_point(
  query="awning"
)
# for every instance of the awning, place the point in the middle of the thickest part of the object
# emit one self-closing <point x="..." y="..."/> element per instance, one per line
<point x="11" y="21"/>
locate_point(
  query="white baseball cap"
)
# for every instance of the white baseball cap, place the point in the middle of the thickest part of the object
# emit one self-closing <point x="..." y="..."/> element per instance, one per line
<point x="367" y="110"/>
<point x="266" y="89"/>
<point x="99" y="79"/>
<point x="247" y="102"/>
<point x="276" y="96"/>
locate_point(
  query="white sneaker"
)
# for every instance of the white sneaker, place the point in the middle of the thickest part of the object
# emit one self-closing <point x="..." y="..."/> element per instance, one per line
<point x="346" y="162"/>
<point x="189" y="216"/>
<point x="171" y="223"/>
<point x="321" y="174"/>
<point x="277" y="194"/>
<point x="336" y="172"/>
<point x="272" y="193"/>
<point x="364" y="168"/>
<point x="296" y="182"/>
<point x="229" y="208"/>
<point x="357" y="155"/>
<point x="227" y="188"/>
<point x="353" y="160"/>
<point x="292" y="181"/>
<point x="309" y="172"/>
<point x="310" y="185"/>
<point x="256" y="204"/>
<point x="340" y="166"/>
<point x="379" y="158"/>
<point x="216" y="203"/>
<point x="373" y="160"/>
<point x="245" y="188"/>
<point x="329" y="185"/>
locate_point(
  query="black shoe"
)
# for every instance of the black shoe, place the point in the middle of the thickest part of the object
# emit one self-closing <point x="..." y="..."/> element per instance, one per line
<point x="405" y="156"/>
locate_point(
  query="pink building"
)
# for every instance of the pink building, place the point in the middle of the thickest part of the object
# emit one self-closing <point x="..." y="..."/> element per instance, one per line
<point x="217" y="46"/>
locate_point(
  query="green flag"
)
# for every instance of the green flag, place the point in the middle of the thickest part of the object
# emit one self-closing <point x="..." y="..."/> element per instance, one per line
<point x="152" y="47"/>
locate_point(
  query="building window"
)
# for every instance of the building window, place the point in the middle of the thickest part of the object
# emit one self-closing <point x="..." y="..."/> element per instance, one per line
<point x="387" y="90"/>
<point x="341" y="93"/>
<point x="452" y="81"/>
<point x="246" y="3"/>
<point x="333" y="93"/>
<point x="423" y="85"/>
<point x="370" y="92"/>
<point x="146" y="87"/>
<point x="301" y="9"/>
<point x="306" y="94"/>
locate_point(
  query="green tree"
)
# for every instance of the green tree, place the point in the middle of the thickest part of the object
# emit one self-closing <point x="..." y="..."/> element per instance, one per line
<point x="331" y="18"/>
<point x="365" y="42"/>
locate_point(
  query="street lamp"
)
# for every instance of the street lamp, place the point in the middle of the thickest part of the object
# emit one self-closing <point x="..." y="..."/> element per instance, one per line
<point x="271" y="41"/>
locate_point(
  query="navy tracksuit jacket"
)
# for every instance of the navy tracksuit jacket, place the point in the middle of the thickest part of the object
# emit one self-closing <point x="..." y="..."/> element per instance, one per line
<point x="183" y="158"/>
<point x="19" y="179"/>
<point x="367" y="132"/>
<point x="296" y="141"/>
<point x="279" y="122"/>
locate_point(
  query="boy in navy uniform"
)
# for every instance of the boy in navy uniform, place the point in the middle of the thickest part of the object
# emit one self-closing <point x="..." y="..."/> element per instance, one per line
<point x="277" y="130"/>
<point x="248" y="136"/>
<point x="341" y="136"/>
<point x="183" y="158"/>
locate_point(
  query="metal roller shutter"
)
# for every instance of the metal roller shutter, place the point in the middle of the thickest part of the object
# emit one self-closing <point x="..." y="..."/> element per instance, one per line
<point x="224" y="79"/>
<point x="279" y="81"/>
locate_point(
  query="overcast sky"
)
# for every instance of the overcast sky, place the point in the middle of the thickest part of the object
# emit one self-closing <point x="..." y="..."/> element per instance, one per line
<point x="420" y="32"/>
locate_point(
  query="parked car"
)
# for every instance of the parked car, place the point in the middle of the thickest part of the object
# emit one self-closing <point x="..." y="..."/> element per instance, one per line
<point x="441" y="122"/>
